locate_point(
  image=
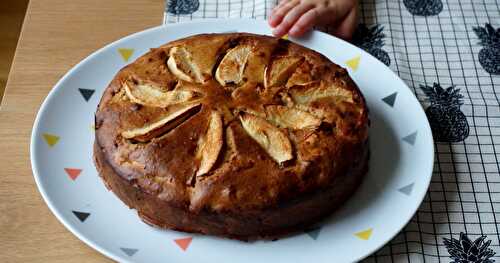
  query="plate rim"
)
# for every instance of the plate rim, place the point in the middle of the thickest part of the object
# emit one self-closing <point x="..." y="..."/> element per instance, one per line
<point x="58" y="86"/>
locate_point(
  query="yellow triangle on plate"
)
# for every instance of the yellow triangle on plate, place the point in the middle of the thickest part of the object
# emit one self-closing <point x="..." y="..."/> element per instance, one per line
<point x="365" y="234"/>
<point x="353" y="63"/>
<point x="285" y="37"/>
<point x="126" y="53"/>
<point x="50" y="139"/>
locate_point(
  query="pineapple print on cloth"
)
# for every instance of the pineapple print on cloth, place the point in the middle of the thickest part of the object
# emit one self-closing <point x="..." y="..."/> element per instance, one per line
<point x="466" y="251"/>
<point x="489" y="56"/>
<point x="371" y="40"/>
<point x="447" y="53"/>
<point x="453" y="43"/>
<point x="182" y="7"/>
<point x="186" y="10"/>
<point x="448" y="123"/>
<point x="424" y="7"/>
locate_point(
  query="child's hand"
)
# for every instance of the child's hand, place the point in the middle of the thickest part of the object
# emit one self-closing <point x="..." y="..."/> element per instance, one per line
<point x="296" y="17"/>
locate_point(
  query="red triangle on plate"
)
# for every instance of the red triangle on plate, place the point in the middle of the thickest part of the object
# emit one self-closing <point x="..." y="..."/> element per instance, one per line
<point x="73" y="173"/>
<point x="183" y="243"/>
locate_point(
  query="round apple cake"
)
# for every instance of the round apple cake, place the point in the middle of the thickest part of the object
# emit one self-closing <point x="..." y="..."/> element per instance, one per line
<point x="238" y="135"/>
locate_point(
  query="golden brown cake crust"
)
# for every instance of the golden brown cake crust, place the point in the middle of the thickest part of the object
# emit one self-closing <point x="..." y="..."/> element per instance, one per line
<point x="238" y="135"/>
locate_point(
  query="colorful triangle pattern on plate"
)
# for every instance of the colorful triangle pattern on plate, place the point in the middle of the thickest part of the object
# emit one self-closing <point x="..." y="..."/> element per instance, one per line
<point x="73" y="173"/>
<point x="353" y="63"/>
<point x="183" y="243"/>
<point x="126" y="53"/>
<point x="50" y="139"/>
<point x="365" y="234"/>
<point x="82" y="216"/>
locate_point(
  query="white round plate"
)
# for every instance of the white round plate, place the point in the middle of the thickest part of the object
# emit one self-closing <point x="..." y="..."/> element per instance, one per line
<point x="401" y="163"/>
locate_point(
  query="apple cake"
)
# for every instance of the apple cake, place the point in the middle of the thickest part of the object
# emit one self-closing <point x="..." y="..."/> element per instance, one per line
<point x="237" y="135"/>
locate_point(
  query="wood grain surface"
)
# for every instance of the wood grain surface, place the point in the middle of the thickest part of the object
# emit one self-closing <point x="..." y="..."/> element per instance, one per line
<point x="55" y="36"/>
<point x="11" y="18"/>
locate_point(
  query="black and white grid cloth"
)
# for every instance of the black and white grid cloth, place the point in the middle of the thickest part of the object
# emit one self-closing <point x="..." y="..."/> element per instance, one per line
<point x="432" y="45"/>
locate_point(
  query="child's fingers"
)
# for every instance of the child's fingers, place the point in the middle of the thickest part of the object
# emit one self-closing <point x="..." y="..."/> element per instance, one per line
<point x="346" y="28"/>
<point x="305" y="23"/>
<point x="280" y="12"/>
<point x="291" y="18"/>
<point x="281" y="3"/>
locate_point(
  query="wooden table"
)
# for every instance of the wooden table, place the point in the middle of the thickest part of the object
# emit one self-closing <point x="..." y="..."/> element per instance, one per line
<point x="56" y="35"/>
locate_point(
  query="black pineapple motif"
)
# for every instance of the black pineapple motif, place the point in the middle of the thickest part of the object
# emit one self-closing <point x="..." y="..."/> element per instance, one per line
<point x="466" y="251"/>
<point x="448" y="122"/>
<point x="424" y="7"/>
<point x="489" y="55"/>
<point x="371" y="40"/>
<point x="183" y="7"/>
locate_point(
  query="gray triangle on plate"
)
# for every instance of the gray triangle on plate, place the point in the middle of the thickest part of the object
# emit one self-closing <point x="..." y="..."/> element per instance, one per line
<point x="86" y="93"/>
<point x="390" y="99"/>
<point x="313" y="232"/>
<point x="407" y="189"/>
<point x="82" y="216"/>
<point x="410" y="138"/>
<point x="129" y="251"/>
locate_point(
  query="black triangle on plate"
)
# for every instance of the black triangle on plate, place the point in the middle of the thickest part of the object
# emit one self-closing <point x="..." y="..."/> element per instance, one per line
<point x="313" y="232"/>
<point x="86" y="93"/>
<point x="390" y="99"/>
<point x="407" y="189"/>
<point x="82" y="216"/>
<point x="129" y="251"/>
<point x="410" y="138"/>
